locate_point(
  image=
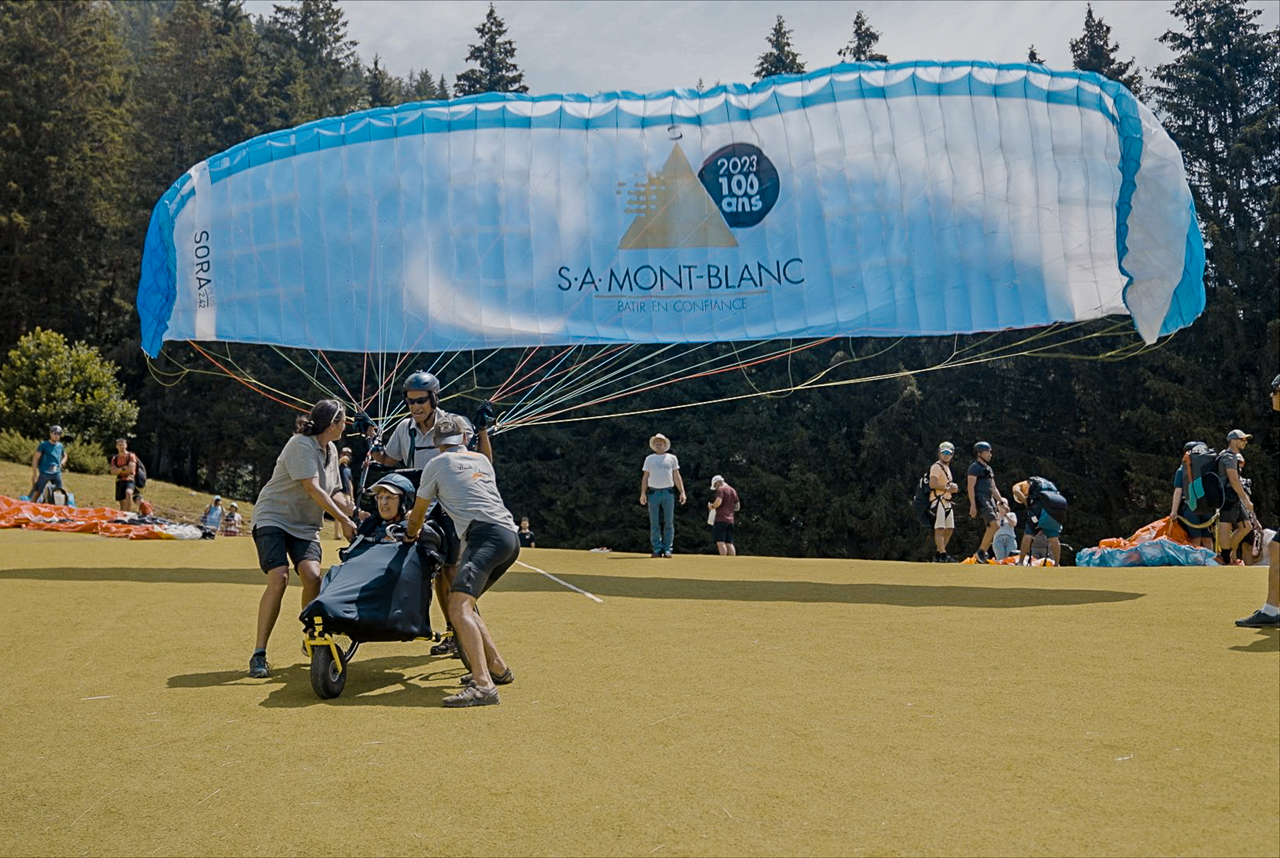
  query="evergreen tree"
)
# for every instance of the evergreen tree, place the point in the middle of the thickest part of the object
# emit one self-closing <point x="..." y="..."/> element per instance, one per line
<point x="62" y="171"/>
<point x="382" y="89"/>
<point x="494" y="59"/>
<point x="421" y="87"/>
<point x="315" y="64"/>
<point x="1033" y="56"/>
<point x="862" y="43"/>
<point x="442" y="88"/>
<point x="1095" y="52"/>
<point x="781" y="58"/>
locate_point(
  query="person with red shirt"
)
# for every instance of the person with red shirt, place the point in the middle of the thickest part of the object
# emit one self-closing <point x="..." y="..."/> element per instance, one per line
<point x="725" y="505"/>
<point x="124" y="465"/>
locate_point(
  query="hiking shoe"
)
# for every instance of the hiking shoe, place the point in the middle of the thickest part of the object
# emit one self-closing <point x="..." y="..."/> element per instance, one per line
<point x="258" y="668"/>
<point x="472" y="695"/>
<point x="498" y="678"/>
<point x="446" y="647"/>
<point x="1256" y="620"/>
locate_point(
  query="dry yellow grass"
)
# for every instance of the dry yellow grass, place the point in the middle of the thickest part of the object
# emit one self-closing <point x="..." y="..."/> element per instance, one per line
<point x="706" y="706"/>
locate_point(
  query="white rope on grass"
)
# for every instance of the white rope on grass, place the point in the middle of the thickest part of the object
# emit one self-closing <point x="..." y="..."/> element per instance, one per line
<point x="560" y="582"/>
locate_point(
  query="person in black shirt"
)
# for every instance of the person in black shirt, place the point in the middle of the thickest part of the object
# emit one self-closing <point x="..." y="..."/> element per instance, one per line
<point x="984" y="499"/>
<point x="527" y="539"/>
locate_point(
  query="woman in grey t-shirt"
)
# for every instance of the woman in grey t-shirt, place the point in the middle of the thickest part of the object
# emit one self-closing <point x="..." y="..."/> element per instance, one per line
<point x="290" y="512"/>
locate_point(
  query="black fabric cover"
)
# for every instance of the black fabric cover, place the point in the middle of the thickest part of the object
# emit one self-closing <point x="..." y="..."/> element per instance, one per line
<point x="381" y="593"/>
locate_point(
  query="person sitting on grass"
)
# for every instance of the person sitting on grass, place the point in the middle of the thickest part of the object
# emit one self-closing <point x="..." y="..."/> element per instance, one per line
<point x="464" y="484"/>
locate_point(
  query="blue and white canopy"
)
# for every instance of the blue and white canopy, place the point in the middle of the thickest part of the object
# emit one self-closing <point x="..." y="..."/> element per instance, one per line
<point x="863" y="200"/>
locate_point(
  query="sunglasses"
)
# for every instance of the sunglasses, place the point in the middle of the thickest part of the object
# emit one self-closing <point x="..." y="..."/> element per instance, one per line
<point x="417" y="400"/>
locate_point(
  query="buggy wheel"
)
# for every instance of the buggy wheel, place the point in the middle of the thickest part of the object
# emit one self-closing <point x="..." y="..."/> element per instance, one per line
<point x="326" y="679"/>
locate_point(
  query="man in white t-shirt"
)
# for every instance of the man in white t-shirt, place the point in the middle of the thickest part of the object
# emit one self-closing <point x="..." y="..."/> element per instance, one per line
<point x="658" y="487"/>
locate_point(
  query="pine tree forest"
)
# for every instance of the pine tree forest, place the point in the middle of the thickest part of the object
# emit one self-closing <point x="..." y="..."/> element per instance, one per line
<point x="159" y="86"/>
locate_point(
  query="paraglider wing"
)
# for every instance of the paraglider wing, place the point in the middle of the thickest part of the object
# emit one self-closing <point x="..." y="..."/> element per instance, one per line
<point x="908" y="199"/>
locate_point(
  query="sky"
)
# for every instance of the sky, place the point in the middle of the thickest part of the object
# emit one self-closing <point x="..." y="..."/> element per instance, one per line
<point x="589" y="46"/>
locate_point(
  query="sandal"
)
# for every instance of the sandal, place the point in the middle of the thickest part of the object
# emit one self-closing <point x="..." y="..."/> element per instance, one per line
<point x="504" y="678"/>
<point x="471" y="695"/>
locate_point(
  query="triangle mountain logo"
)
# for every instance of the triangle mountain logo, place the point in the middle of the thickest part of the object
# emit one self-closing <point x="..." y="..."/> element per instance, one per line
<point x="674" y="210"/>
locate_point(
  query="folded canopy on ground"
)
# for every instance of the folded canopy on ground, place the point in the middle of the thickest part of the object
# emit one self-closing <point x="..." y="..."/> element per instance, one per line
<point x="104" y="521"/>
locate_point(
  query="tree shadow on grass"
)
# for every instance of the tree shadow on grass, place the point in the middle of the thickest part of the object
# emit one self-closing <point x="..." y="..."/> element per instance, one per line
<point x="1268" y="640"/>
<point x="662" y="587"/>
<point x="393" y="680"/>
<point x="902" y="595"/>
<point x="140" y="575"/>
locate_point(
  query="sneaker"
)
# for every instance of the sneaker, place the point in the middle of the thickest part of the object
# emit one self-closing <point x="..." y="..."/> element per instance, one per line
<point x="1237" y="562"/>
<point x="656" y="554"/>
<point x="1259" y="620"/>
<point x="666" y="555"/>
<point x="947" y="558"/>
<point x="258" y="668"/>
<point x="498" y="678"/>
<point x="448" y="646"/>
<point x="472" y="695"/>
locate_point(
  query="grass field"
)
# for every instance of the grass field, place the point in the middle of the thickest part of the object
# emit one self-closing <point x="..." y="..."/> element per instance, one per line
<point x="704" y="706"/>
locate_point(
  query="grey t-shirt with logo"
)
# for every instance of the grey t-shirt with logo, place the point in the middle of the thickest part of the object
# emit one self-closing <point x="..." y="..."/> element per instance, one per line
<point x="284" y="502"/>
<point x="464" y="484"/>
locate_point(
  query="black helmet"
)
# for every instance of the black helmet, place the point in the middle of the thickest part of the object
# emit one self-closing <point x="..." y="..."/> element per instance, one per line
<point x="980" y="446"/>
<point x="421" y="380"/>
<point x="1275" y="384"/>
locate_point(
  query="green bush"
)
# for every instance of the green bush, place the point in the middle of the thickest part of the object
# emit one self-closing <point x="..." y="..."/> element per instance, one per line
<point x="15" y="448"/>
<point x="82" y="458"/>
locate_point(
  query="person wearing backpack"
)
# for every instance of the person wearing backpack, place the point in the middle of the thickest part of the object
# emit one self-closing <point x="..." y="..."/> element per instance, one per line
<point x="1046" y="510"/>
<point x="1237" y="507"/>
<point x="1199" y="524"/>
<point x="124" y="465"/>
<point x="942" y="487"/>
<point x="1268" y="616"/>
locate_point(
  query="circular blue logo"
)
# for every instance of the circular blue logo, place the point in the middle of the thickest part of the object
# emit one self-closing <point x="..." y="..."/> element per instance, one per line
<point x="742" y="181"/>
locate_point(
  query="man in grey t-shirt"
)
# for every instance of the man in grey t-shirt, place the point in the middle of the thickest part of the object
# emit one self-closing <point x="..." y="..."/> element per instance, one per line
<point x="464" y="484"/>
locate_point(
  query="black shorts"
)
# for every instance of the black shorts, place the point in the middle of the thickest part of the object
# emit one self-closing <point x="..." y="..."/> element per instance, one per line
<point x="722" y="531"/>
<point x="491" y="549"/>
<point x="1232" y="511"/>
<point x="987" y="510"/>
<point x="276" y="547"/>
<point x="123" y="486"/>
<point x="451" y="542"/>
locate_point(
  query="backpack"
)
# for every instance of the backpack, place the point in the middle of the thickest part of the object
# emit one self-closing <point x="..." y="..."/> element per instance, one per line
<point x="920" y="501"/>
<point x="139" y="475"/>
<point x="1201" y="485"/>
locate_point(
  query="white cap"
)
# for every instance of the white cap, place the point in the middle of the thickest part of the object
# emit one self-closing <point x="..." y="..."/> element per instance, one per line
<point x="716" y="480"/>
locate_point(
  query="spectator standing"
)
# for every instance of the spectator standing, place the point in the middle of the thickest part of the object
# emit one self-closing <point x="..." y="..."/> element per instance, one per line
<point x="658" y="486"/>
<point x="124" y="465"/>
<point x="233" y="521"/>
<point x="290" y="513"/>
<point x="1268" y="616"/>
<point x="211" y="518"/>
<point x="725" y="504"/>
<point x="47" y="463"/>
<point x="527" y="539"/>
<point x="1181" y="512"/>
<point x="942" y="488"/>
<point x="1237" y="506"/>
<point x="984" y="498"/>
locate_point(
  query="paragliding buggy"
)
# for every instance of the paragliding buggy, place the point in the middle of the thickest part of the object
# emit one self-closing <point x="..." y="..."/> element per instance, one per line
<point x="380" y="592"/>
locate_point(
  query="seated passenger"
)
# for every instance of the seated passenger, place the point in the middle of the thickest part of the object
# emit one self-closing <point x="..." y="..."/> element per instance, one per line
<point x="394" y="496"/>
